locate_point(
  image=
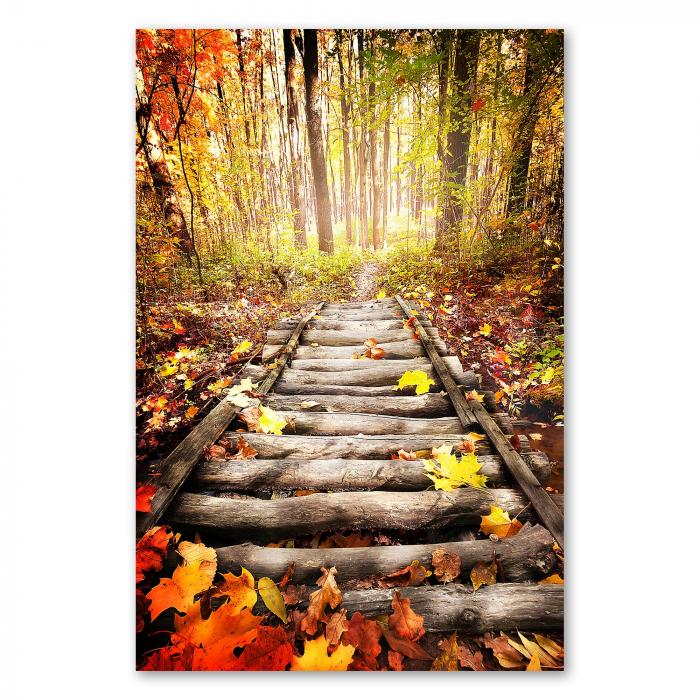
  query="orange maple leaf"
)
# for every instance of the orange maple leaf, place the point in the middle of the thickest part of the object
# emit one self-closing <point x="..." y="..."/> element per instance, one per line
<point x="144" y="496"/>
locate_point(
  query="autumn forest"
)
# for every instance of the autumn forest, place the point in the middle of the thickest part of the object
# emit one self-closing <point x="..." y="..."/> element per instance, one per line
<point x="345" y="234"/>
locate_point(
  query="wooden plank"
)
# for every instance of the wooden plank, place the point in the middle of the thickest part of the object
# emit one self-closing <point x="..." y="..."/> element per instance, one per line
<point x="177" y="466"/>
<point x="348" y="336"/>
<point x="528" y="556"/>
<point x="541" y="501"/>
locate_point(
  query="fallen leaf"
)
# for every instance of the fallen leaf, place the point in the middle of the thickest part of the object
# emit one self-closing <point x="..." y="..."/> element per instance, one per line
<point x="152" y="549"/>
<point x="470" y="659"/>
<point x="448" y="472"/>
<point x="498" y="522"/>
<point x="412" y="575"/>
<point x="447" y="566"/>
<point x="405" y="646"/>
<point x="448" y="659"/>
<point x="239" y="590"/>
<point x="328" y="594"/>
<point x="316" y="657"/>
<point x="336" y="626"/>
<point x="272" y="598"/>
<point x="244" y="451"/>
<point x="404" y="621"/>
<point x="534" y="664"/>
<point x="417" y="378"/>
<point x="192" y="577"/>
<point x="381" y="294"/>
<point x="402" y="454"/>
<point x="144" y="496"/>
<point x="485" y="330"/>
<point x="395" y="660"/>
<point x="364" y="636"/>
<point x="271" y="422"/>
<point x="554" y="578"/>
<point x="505" y="654"/>
<point x="191" y="412"/>
<point x="483" y="574"/>
<point x="271" y="651"/>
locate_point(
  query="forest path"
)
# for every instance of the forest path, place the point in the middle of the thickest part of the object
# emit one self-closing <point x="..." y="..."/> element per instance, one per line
<point x="333" y="473"/>
<point x="366" y="280"/>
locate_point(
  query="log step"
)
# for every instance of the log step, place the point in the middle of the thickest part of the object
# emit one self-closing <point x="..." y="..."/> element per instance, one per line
<point x="405" y="349"/>
<point x="424" y="406"/>
<point x="347" y="337"/>
<point x="342" y="474"/>
<point x="361" y="365"/>
<point x="364" y="447"/>
<point x="503" y="606"/>
<point x="527" y="556"/>
<point x="324" y="512"/>
<point x="307" y="423"/>
<point x="376" y="373"/>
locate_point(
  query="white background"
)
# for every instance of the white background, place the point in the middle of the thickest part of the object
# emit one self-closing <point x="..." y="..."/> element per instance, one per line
<point x="66" y="547"/>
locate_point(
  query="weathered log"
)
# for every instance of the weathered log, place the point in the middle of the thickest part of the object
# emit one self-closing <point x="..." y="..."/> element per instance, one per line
<point x="323" y="512"/>
<point x="377" y="373"/>
<point x="294" y="388"/>
<point x="368" y="327"/>
<point x="342" y="474"/>
<point x="347" y="337"/>
<point x="424" y="406"/>
<point x="388" y="302"/>
<point x="527" y="556"/>
<point x="362" y="447"/>
<point x="360" y="314"/>
<point x="306" y="423"/>
<point x="502" y="606"/>
<point x="405" y="349"/>
<point x="344" y="365"/>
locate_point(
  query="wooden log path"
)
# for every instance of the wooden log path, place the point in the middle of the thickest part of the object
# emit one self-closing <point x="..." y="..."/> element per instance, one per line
<point x="345" y="421"/>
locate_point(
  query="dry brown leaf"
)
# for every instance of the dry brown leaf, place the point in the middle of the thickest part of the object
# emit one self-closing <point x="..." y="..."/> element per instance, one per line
<point x="448" y="659"/>
<point x="483" y="574"/>
<point x="447" y="566"/>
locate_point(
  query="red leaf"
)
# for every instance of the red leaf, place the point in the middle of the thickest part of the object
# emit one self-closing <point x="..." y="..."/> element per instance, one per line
<point x="144" y="496"/>
<point x="271" y="651"/>
<point x="477" y="104"/>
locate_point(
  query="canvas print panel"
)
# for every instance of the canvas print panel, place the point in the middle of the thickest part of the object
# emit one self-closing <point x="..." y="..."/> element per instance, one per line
<point x="350" y="349"/>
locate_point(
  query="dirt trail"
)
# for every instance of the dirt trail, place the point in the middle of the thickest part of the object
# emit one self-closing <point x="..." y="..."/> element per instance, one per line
<point x="367" y="279"/>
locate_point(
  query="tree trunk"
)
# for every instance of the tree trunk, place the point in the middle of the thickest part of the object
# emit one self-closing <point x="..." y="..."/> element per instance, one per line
<point x="457" y="155"/>
<point x="163" y="184"/>
<point x="347" y="176"/>
<point x="374" y="174"/>
<point x="398" y="168"/>
<point x="314" y="129"/>
<point x="295" y="159"/>
<point x="385" y="175"/>
<point x="361" y="149"/>
<point x="443" y="74"/>
<point x="522" y="148"/>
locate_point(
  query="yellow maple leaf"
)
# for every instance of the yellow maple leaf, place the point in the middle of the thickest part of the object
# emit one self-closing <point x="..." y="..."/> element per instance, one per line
<point x="167" y="369"/>
<point x="381" y="294"/>
<point x="240" y="590"/>
<point x="316" y="657"/>
<point x="474" y="395"/>
<point x="271" y="422"/>
<point x="449" y="472"/>
<point x="416" y="377"/>
<point x="193" y="576"/>
<point x="242" y="347"/>
<point x="554" y="578"/>
<point x="485" y="330"/>
<point x="498" y="522"/>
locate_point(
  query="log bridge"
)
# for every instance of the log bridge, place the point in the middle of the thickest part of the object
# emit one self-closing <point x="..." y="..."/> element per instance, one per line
<point x="348" y="421"/>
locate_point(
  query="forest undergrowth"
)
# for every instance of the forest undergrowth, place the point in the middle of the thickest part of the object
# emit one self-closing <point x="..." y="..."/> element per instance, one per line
<point x="501" y="317"/>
